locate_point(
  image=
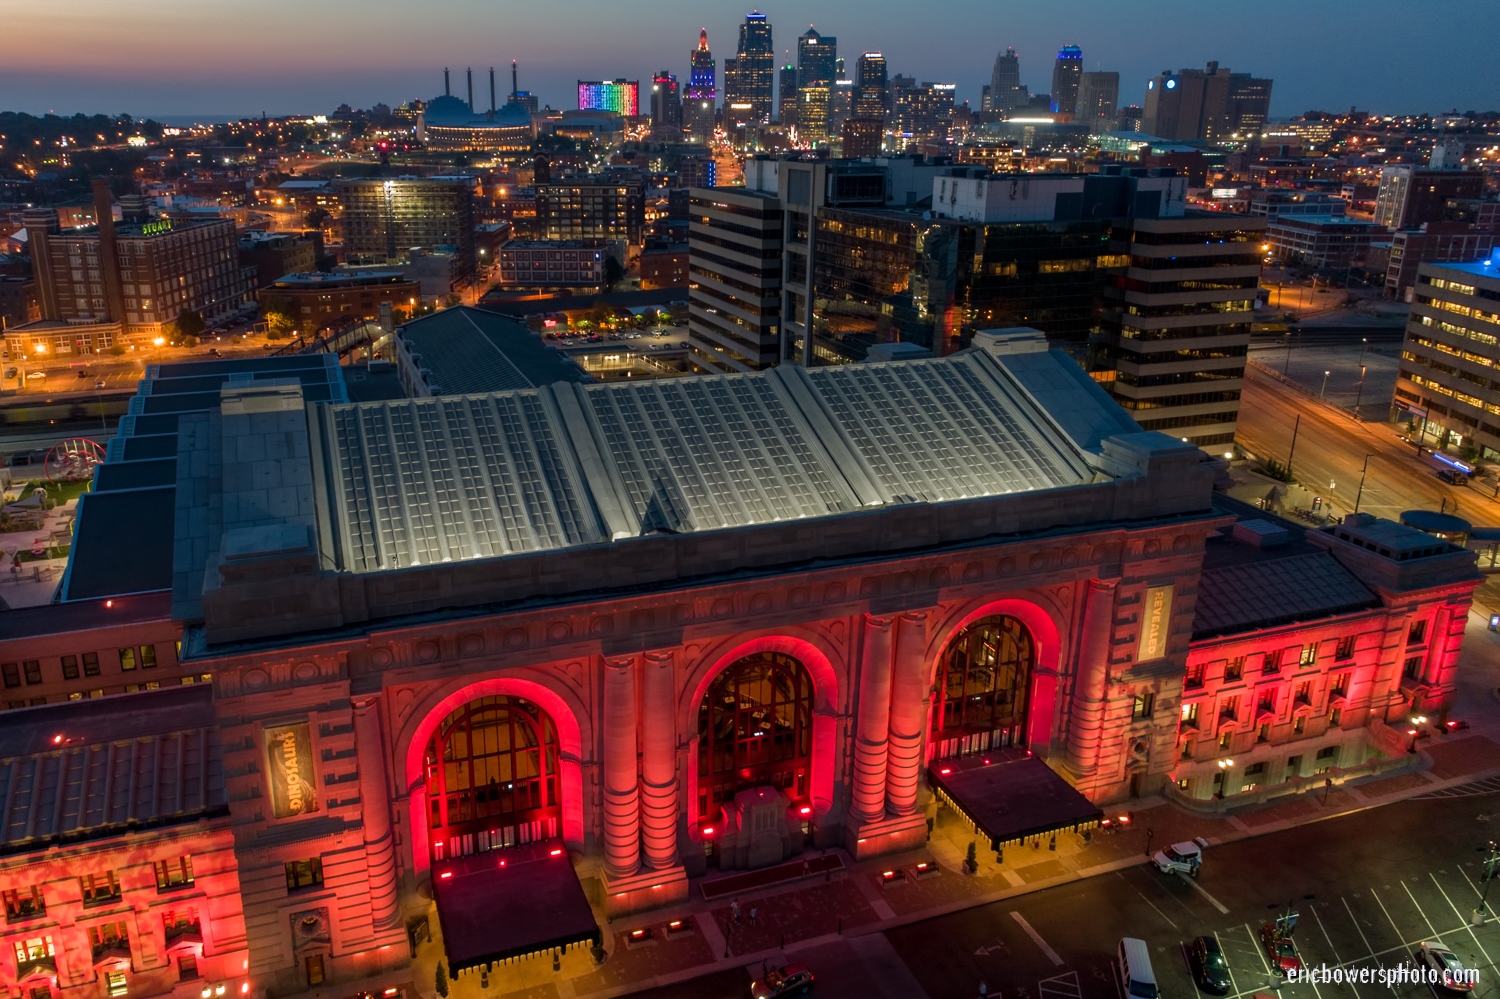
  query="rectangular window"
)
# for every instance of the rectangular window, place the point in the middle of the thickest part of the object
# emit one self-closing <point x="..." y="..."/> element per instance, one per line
<point x="1304" y="693"/>
<point x="33" y="668"/>
<point x="187" y="968"/>
<point x="1144" y="703"/>
<point x="91" y="664"/>
<point x="127" y="659"/>
<point x="1194" y="676"/>
<point x="108" y="937"/>
<point x="1226" y="738"/>
<point x="12" y="674"/>
<point x="1298" y="724"/>
<point x="1346" y="647"/>
<point x="1263" y="732"/>
<point x="1328" y="753"/>
<point x="23" y="903"/>
<point x="1272" y="662"/>
<point x="1340" y="686"/>
<point x="1190" y="714"/>
<point x="1187" y="749"/>
<point x="1413" y="668"/>
<point x="1417" y="633"/>
<point x="314" y="965"/>
<point x="148" y="657"/>
<point x="304" y="873"/>
<point x="1267" y="703"/>
<point x="70" y="667"/>
<point x="100" y="888"/>
<point x="1309" y="655"/>
<point x="115" y="984"/>
<point x="1293" y="766"/>
<point x="1234" y="669"/>
<point x="1335" y="716"/>
<point x="1255" y="770"/>
<point x="1229" y="709"/>
<point x="174" y="874"/>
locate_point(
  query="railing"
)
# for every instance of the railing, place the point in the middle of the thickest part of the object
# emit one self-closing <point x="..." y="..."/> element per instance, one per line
<point x="184" y="933"/>
<point x="112" y="950"/>
<point x="340" y="341"/>
<point x="45" y="965"/>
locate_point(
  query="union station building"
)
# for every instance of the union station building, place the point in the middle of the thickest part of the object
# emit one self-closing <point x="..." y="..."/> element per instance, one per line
<point x="511" y="664"/>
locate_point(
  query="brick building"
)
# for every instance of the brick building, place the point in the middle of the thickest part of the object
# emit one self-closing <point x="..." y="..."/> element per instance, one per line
<point x="329" y="299"/>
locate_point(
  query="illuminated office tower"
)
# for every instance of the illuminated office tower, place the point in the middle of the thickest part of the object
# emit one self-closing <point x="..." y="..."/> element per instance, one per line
<point x="702" y="92"/>
<point x="817" y="70"/>
<point x="1066" y="73"/>
<point x="752" y="81"/>
<point x="872" y="90"/>
<point x="620" y="96"/>
<point x="1098" y="93"/>
<point x="666" y="106"/>
<point x="1006" y="91"/>
<point x="786" y="105"/>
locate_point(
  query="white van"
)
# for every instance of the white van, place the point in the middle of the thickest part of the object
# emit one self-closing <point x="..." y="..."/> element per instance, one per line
<point x="1137" y="981"/>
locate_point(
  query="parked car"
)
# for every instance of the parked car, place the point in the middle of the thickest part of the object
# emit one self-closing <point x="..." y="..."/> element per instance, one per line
<point x="792" y="979"/>
<point x="1445" y="963"/>
<point x="35" y="374"/>
<point x="1282" y="950"/>
<point x="1210" y="970"/>
<point x="1182" y="858"/>
<point x="83" y="373"/>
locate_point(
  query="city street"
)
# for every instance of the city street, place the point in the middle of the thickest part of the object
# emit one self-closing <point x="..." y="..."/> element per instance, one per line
<point x="1370" y="887"/>
<point x="1331" y="447"/>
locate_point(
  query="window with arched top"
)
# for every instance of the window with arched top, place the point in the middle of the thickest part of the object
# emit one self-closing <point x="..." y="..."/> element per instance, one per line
<point x="755" y="729"/>
<point x="492" y="778"/>
<point x="983" y="687"/>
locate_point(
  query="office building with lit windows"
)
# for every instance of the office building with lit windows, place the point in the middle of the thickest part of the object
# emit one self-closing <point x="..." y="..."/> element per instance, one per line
<point x="734" y="279"/>
<point x="1174" y="323"/>
<point x="1067" y="72"/>
<point x="619" y="96"/>
<point x="1446" y="381"/>
<point x="385" y="219"/>
<point x="750" y="88"/>
<point x="611" y="206"/>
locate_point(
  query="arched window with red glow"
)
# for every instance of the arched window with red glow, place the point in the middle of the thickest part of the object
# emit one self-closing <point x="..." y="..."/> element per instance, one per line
<point x="755" y="729"/>
<point x="492" y="778"/>
<point x="983" y="687"/>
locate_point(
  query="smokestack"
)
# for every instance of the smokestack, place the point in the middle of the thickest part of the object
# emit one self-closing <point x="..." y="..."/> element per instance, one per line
<point x="515" y="88"/>
<point x="469" y="73"/>
<point x="492" y="89"/>
<point x="41" y="225"/>
<point x="109" y="251"/>
<point x="447" y="90"/>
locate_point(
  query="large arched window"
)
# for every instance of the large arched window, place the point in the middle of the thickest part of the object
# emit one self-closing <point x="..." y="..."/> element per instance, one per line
<point x="983" y="685"/>
<point x="754" y="729"/>
<point x="492" y="778"/>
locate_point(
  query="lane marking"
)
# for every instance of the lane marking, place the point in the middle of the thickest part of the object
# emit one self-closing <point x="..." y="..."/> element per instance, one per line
<point x="1158" y="911"/>
<point x="1468" y="925"/>
<point x="1376" y="897"/>
<point x="1361" y="931"/>
<point x="1332" y="949"/>
<point x="1430" y="928"/>
<point x="1233" y="985"/>
<point x="1193" y="883"/>
<point x="1036" y="938"/>
<point x="1066" y="986"/>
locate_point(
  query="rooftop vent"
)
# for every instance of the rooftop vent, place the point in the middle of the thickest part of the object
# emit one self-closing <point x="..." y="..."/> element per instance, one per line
<point x="1259" y="533"/>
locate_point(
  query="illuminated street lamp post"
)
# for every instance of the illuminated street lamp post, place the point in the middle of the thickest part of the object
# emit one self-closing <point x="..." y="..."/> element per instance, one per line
<point x="1224" y="766"/>
<point x="1480" y="915"/>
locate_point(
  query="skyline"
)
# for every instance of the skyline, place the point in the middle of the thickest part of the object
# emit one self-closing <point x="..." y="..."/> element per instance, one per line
<point x="1327" y="59"/>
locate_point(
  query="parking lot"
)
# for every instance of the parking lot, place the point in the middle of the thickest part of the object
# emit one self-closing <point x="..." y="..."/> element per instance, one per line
<point x="1369" y="888"/>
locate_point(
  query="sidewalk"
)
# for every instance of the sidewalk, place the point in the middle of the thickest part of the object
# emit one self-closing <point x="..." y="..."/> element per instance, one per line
<point x="831" y="916"/>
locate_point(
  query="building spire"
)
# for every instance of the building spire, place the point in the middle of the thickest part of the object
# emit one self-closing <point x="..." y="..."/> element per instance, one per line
<point x="703" y="40"/>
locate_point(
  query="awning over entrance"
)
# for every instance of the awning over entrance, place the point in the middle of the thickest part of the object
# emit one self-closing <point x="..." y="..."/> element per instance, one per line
<point x="1010" y="796"/>
<point x="507" y="904"/>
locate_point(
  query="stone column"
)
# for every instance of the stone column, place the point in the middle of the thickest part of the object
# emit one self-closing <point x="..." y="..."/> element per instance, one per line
<point x="622" y="817"/>
<point x="870" y="738"/>
<point x="375" y="813"/>
<point x="908" y="714"/>
<point x="1091" y="677"/>
<point x="659" y="760"/>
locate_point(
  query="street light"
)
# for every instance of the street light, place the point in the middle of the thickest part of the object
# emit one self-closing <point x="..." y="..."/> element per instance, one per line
<point x="1323" y="391"/>
<point x="1489" y="875"/>
<point x="1361" y="393"/>
<point x="1362" y="472"/>
<point x="1224" y="766"/>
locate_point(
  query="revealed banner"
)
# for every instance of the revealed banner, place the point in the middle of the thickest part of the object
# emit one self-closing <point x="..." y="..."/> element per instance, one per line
<point x="294" y="786"/>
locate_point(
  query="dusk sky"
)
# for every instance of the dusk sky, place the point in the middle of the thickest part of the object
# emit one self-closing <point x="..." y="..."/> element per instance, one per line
<point x="154" y="57"/>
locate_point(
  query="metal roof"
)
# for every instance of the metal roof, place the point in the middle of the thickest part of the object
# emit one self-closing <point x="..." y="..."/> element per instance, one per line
<point x="1274" y="591"/>
<point x="460" y="477"/>
<point x="153" y="759"/>
<point x="471" y="350"/>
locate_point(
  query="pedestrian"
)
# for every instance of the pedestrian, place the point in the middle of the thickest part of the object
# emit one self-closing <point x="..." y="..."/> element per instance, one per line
<point x="734" y="907"/>
<point x="984" y="989"/>
<point x="752" y="915"/>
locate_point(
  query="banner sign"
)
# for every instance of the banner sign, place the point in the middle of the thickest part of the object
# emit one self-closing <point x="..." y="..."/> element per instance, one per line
<point x="1156" y="622"/>
<point x="294" y="785"/>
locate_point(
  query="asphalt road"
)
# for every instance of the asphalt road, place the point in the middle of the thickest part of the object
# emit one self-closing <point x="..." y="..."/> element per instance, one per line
<point x="1369" y="887"/>
<point x="1331" y="448"/>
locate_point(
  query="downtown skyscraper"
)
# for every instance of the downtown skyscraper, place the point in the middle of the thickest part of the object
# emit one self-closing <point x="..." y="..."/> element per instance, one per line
<point x="872" y="88"/>
<point x="749" y="89"/>
<point x="1067" y="71"/>
<point x="702" y="92"/>
<point x="1006" y="91"/>
<point x="817" y="69"/>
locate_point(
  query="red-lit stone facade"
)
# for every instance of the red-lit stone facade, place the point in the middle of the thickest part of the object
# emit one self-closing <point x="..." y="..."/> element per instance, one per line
<point x="654" y="735"/>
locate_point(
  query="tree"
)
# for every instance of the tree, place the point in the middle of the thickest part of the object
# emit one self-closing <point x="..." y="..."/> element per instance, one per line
<point x="276" y="310"/>
<point x="440" y="980"/>
<point x="316" y="217"/>
<point x="601" y="313"/>
<point x="613" y="273"/>
<point x="187" y="325"/>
